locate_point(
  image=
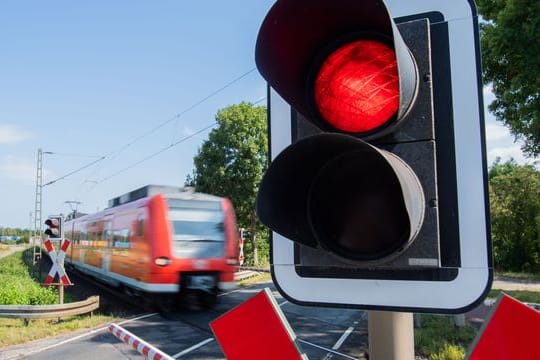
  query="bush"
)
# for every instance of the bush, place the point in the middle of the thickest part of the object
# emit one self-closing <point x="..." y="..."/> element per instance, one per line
<point x="18" y="286"/>
<point x="263" y="250"/>
<point x="449" y="352"/>
<point x="514" y="192"/>
<point x="440" y="339"/>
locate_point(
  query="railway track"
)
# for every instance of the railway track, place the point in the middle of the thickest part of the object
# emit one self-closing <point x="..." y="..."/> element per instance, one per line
<point x="112" y="301"/>
<point x="119" y="302"/>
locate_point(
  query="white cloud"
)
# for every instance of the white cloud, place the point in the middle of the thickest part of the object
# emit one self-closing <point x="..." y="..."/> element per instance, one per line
<point x="20" y="169"/>
<point x="189" y="132"/>
<point x="506" y="153"/>
<point x="10" y="134"/>
<point x="496" y="132"/>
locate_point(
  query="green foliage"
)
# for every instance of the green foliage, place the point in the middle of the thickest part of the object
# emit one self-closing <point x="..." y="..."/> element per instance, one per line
<point x="519" y="276"/>
<point x="263" y="250"/>
<point x="511" y="64"/>
<point x="515" y="216"/>
<point x="449" y="352"/>
<point x="20" y="236"/>
<point x="232" y="161"/>
<point x="440" y="339"/>
<point x="18" y="286"/>
<point x="523" y="296"/>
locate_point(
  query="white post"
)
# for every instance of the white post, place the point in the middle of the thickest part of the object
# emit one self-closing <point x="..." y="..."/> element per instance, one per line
<point x="391" y="335"/>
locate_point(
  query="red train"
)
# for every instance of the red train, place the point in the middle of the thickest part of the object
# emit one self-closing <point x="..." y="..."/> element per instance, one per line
<point x="160" y="241"/>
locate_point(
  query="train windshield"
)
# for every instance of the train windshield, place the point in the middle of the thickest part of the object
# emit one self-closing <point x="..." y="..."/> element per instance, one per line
<point x="190" y="230"/>
<point x="197" y="228"/>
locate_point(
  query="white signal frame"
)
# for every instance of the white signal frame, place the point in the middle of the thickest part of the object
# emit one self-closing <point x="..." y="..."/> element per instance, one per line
<point x="475" y="275"/>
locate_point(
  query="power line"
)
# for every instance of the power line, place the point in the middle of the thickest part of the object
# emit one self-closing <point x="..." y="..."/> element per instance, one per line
<point x="259" y="100"/>
<point x="166" y="148"/>
<point x="112" y="154"/>
<point x="157" y="152"/>
<point x="75" y="171"/>
<point x="177" y="116"/>
<point x="73" y="155"/>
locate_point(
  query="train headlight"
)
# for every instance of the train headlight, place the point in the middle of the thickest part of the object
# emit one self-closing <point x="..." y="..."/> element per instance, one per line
<point x="162" y="261"/>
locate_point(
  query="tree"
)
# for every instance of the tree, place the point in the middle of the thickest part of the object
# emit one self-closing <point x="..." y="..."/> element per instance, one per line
<point x="515" y="216"/>
<point x="232" y="161"/>
<point x="511" y="64"/>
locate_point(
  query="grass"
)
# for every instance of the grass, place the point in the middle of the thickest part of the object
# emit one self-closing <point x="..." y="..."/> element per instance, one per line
<point x="440" y="339"/>
<point x="3" y="248"/>
<point x="13" y="331"/>
<point x="262" y="277"/>
<point x="523" y="296"/>
<point x="20" y="286"/>
<point x="518" y="276"/>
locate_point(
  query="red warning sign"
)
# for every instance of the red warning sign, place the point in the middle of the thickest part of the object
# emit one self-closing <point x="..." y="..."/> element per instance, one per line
<point x="57" y="258"/>
<point x="511" y="333"/>
<point x="266" y="334"/>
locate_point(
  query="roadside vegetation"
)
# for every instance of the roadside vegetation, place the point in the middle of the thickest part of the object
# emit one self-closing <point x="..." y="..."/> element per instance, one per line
<point x="12" y="236"/>
<point x="14" y="331"/>
<point x="20" y="286"/>
<point x="523" y="296"/>
<point x="514" y="192"/>
<point x="262" y="277"/>
<point x="439" y="339"/>
<point x="517" y="276"/>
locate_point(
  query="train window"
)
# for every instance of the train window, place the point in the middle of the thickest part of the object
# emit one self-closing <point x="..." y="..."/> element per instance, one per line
<point x="196" y="224"/>
<point x="180" y="204"/>
<point x="83" y="236"/>
<point x="198" y="230"/>
<point x="121" y="238"/>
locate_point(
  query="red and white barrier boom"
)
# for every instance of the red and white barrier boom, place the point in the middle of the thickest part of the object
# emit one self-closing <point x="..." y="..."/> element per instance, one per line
<point x="149" y="352"/>
<point x="57" y="258"/>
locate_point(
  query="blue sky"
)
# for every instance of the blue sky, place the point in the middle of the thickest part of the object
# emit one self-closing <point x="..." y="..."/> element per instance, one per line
<point x="86" y="80"/>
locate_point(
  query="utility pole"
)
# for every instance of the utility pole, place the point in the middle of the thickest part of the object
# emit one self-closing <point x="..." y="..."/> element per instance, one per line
<point x="38" y="205"/>
<point x="37" y="208"/>
<point x="73" y="205"/>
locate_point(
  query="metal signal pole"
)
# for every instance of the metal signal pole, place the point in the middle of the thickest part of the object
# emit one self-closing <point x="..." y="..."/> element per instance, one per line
<point x="37" y="207"/>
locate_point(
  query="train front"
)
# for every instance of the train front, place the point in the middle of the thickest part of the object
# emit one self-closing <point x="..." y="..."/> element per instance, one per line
<point x="198" y="244"/>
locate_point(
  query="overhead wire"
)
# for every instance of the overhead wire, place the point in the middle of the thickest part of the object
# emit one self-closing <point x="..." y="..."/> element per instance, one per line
<point x="167" y="147"/>
<point x="75" y="171"/>
<point x="111" y="155"/>
<point x="158" y="152"/>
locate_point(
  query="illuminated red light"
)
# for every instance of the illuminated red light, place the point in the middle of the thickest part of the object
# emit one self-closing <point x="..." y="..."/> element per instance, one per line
<point x="357" y="87"/>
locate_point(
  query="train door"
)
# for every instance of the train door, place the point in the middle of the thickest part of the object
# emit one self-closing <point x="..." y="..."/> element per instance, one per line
<point x="140" y="248"/>
<point x="106" y="245"/>
<point x="83" y="243"/>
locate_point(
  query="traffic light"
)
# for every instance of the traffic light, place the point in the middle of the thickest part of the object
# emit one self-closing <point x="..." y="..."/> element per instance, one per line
<point x="54" y="227"/>
<point x="369" y="157"/>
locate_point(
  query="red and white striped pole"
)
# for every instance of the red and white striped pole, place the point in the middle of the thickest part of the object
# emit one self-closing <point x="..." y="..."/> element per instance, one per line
<point x="147" y="350"/>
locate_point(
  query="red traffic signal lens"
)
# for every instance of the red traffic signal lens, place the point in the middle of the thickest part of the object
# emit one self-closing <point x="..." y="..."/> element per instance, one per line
<point x="53" y="223"/>
<point x="356" y="89"/>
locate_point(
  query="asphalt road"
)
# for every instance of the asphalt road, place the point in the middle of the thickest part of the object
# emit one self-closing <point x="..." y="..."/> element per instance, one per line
<point x="186" y="335"/>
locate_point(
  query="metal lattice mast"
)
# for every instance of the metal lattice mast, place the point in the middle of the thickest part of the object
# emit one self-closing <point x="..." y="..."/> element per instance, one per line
<point x="37" y="209"/>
